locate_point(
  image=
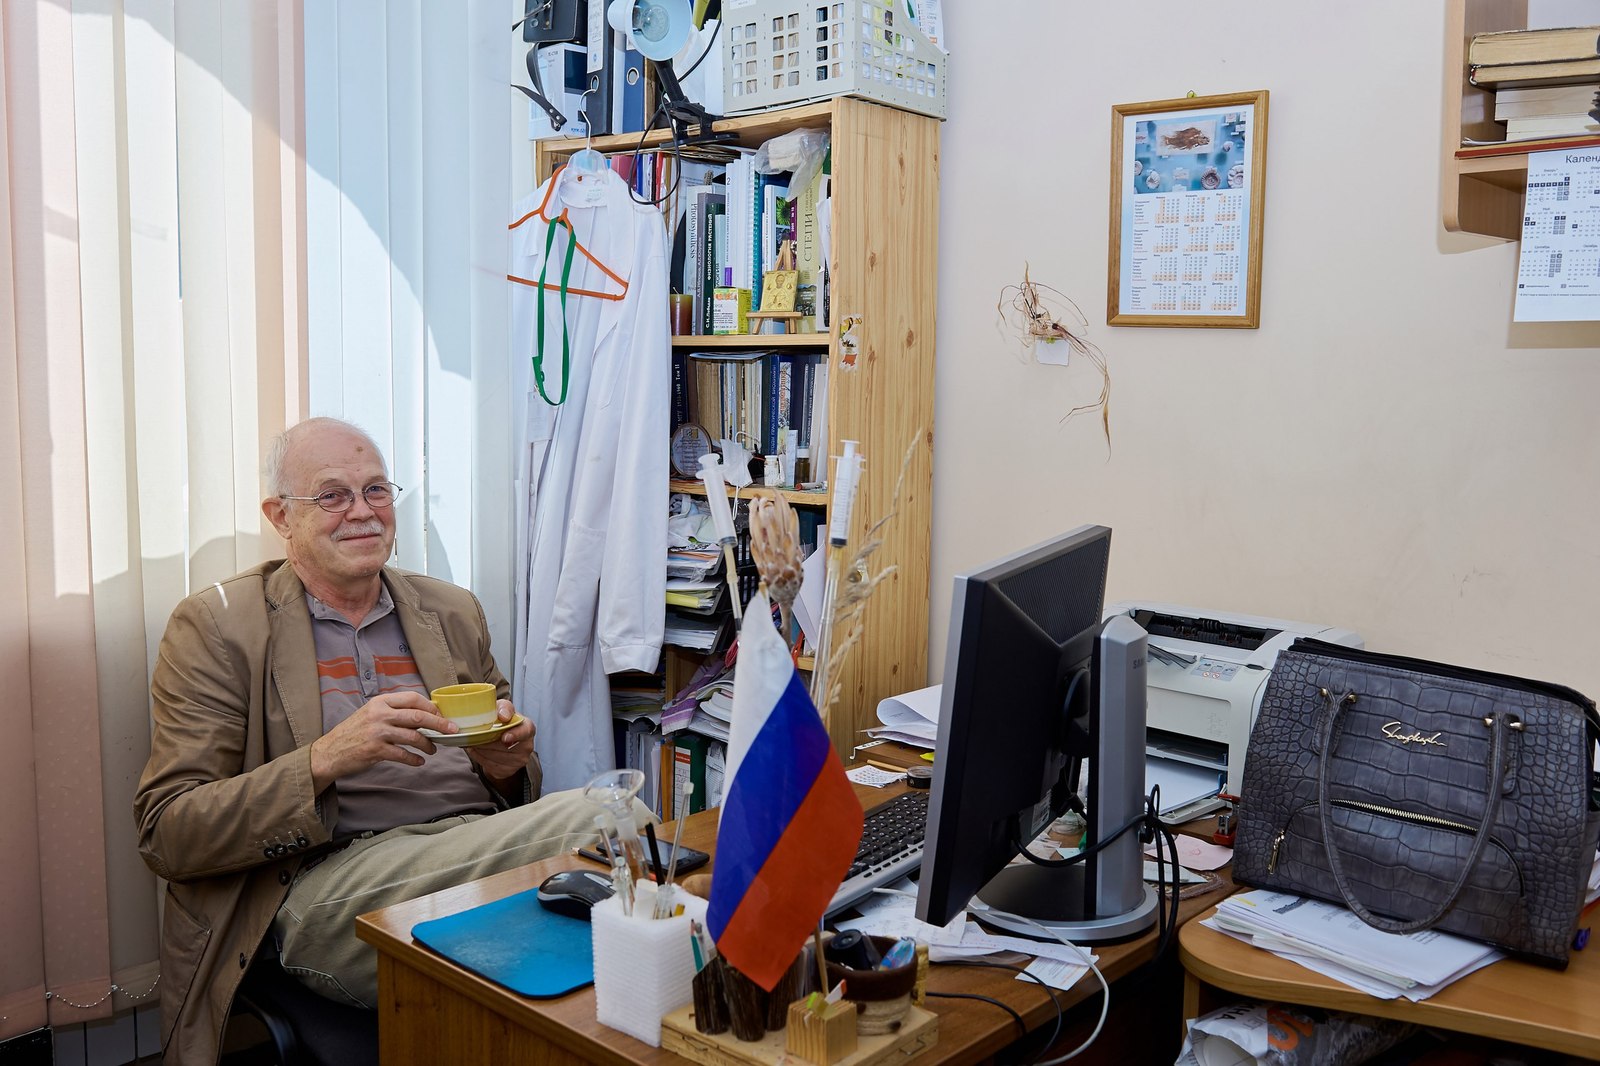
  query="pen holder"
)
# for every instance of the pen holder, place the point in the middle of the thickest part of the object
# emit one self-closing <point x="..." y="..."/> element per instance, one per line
<point x="710" y="999"/>
<point x="643" y="966"/>
<point x="881" y="996"/>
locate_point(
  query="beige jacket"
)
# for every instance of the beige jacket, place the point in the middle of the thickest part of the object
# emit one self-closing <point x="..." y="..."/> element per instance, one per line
<point x="225" y="809"/>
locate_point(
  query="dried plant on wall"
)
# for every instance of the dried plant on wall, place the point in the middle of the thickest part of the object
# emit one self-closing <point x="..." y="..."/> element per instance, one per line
<point x="1040" y="314"/>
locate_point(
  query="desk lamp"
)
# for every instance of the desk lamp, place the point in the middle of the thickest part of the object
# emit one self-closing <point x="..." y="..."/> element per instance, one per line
<point x="659" y="29"/>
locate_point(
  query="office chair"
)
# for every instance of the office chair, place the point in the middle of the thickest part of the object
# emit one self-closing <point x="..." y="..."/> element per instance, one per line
<point x="306" y="1029"/>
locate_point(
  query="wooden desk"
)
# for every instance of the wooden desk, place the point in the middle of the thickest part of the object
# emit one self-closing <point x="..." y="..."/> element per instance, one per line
<point x="1509" y="1000"/>
<point x="431" y="1010"/>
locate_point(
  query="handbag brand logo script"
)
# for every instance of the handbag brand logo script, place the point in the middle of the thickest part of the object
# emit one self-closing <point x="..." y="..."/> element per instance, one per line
<point x="1397" y="731"/>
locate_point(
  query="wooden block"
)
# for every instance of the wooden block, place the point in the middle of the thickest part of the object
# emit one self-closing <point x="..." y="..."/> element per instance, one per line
<point x="678" y="1035"/>
<point x="824" y="1037"/>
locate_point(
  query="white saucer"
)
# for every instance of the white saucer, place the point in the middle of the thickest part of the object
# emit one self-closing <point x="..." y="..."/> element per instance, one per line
<point x="471" y="738"/>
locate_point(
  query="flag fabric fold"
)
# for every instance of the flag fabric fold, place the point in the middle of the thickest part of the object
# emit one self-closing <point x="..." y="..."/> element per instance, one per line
<point x="790" y="821"/>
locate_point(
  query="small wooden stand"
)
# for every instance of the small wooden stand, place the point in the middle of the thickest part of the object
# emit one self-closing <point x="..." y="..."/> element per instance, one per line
<point x="778" y="293"/>
<point x="790" y="320"/>
<point x="918" y="1032"/>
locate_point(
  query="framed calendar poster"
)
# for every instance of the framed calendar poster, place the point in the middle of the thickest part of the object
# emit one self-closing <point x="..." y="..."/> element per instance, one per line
<point x="1188" y="187"/>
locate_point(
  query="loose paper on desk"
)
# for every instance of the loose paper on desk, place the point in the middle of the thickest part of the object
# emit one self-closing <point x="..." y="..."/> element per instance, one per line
<point x="911" y="718"/>
<point x="1558" y="273"/>
<point x="1197" y="854"/>
<point x="892" y="914"/>
<point x="1333" y="941"/>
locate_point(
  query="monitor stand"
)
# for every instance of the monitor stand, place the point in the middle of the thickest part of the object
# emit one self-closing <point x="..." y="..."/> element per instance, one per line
<point x="1054" y="898"/>
<point x="1104" y="897"/>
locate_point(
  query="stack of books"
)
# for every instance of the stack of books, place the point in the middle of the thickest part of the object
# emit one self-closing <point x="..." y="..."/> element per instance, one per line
<point x="1545" y="81"/>
<point x="1548" y="111"/>
<point x="1529" y="58"/>
<point x="1334" y="942"/>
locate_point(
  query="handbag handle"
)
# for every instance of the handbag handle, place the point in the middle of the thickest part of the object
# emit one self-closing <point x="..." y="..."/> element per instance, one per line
<point x="1497" y="764"/>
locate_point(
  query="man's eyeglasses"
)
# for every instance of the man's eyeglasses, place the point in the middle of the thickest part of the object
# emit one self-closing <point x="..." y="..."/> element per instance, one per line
<point x="337" y="501"/>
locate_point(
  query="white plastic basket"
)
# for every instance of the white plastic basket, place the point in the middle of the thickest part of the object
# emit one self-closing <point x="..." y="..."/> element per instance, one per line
<point x="780" y="52"/>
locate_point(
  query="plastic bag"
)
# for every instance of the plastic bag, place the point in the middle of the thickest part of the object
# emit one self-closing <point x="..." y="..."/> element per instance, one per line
<point x="1282" y="1035"/>
<point x="798" y="151"/>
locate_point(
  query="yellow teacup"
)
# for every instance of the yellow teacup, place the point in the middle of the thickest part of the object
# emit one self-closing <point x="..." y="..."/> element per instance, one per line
<point x="470" y="706"/>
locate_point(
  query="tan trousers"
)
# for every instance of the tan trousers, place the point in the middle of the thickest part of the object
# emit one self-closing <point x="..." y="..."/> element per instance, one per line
<point x="315" y="927"/>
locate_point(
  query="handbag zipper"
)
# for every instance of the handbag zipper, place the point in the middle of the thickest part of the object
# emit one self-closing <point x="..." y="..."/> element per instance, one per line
<point x="1522" y="684"/>
<point x="1398" y="815"/>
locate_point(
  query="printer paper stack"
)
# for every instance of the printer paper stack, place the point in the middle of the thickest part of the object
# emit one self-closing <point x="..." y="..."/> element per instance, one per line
<point x="1332" y="941"/>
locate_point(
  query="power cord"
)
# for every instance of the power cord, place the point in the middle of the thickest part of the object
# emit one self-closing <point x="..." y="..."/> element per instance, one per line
<point x="1035" y="978"/>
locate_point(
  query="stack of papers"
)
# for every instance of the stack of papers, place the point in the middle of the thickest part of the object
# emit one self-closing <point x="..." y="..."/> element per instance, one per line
<point x="695" y="595"/>
<point x="692" y="631"/>
<point x="893" y="914"/>
<point x="912" y="718"/>
<point x="697" y="561"/>
<point x="683" y="711"/>
<point x="1334" y="942"/>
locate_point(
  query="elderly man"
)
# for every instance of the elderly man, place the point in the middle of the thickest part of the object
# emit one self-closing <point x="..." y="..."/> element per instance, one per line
<point x="290" y="785"/>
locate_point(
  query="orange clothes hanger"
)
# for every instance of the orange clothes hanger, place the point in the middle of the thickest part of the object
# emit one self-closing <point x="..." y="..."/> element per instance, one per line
<point x="542" y="212"/>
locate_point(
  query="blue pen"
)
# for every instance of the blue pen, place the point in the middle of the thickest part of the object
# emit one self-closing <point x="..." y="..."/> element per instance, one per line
<point x="902" y="953"/>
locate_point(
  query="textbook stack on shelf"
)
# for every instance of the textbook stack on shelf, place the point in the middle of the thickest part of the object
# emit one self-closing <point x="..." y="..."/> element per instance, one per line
<point x="729" y="224"/>
<point x="755" y="396"/>
<point x="1548" y="111"/>
<point x="1533" y="58"/>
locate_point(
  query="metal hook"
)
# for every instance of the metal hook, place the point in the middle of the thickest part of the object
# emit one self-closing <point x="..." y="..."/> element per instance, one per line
<point x="586" y="160"/>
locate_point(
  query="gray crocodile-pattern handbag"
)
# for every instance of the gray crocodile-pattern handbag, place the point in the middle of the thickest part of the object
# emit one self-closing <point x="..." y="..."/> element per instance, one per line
<point x="1423" y="796"/>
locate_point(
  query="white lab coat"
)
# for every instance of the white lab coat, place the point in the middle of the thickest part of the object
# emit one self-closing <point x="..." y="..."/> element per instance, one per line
<point x="591" y="488"/>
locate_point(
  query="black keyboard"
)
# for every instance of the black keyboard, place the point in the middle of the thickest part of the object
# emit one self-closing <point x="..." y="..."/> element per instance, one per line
<point x="891" y="848"/>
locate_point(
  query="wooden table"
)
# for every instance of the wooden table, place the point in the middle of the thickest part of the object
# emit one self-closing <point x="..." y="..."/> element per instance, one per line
<point x="431" y="1010"/>
<point x="1515" y="1001"/>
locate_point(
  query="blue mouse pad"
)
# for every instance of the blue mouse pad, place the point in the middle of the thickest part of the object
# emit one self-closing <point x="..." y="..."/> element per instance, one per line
<point x="517" y="943"/>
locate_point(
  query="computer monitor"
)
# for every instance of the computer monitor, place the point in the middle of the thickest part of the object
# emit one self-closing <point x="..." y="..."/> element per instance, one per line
<point x="1036" y="685"/>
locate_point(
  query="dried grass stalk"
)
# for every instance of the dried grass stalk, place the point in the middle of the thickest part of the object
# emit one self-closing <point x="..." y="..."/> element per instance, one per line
<point x="854" y="587"/>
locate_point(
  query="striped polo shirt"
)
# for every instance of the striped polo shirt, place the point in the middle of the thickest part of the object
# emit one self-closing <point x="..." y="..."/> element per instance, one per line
<point x="354" y="664"/>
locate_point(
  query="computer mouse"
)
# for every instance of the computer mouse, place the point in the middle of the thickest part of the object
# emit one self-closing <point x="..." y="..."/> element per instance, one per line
<point x="573" y="892"/>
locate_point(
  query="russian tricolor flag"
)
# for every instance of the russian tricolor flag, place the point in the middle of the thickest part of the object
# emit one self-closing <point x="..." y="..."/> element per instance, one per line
<point x="790" y="819"/>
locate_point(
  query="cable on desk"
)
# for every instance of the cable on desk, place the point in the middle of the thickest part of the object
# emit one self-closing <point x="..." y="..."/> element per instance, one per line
<point x="1035" y="978"/>
<point x="1021" y="1025"/>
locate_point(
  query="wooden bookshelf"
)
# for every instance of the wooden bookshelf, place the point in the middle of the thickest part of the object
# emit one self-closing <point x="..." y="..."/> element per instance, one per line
<point x="751" y="340"/>
<point x="796" y="497"/>
<point x="883" y="274"/>
<point x="1482" y="186"/>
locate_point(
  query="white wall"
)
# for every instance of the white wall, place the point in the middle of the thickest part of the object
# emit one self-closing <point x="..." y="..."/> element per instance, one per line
<point x="1388" y="452"/>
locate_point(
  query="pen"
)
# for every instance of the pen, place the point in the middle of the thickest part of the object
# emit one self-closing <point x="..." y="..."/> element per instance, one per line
<point x="664" y="895"/>
<point x="655" y="854"/>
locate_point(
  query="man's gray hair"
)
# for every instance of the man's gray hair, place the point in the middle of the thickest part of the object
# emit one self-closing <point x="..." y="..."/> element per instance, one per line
<point x="278" y="449"/>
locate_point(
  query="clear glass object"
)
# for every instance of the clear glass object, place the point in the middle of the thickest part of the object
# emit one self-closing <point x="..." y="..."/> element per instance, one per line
<point x="613" y="792"/>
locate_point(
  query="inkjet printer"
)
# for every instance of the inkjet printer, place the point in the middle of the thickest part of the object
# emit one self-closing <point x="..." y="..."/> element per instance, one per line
<point x="1205" y="678"/>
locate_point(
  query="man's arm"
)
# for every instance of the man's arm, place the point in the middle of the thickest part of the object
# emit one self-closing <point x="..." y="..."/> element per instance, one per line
<point x="200" y="812"/>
